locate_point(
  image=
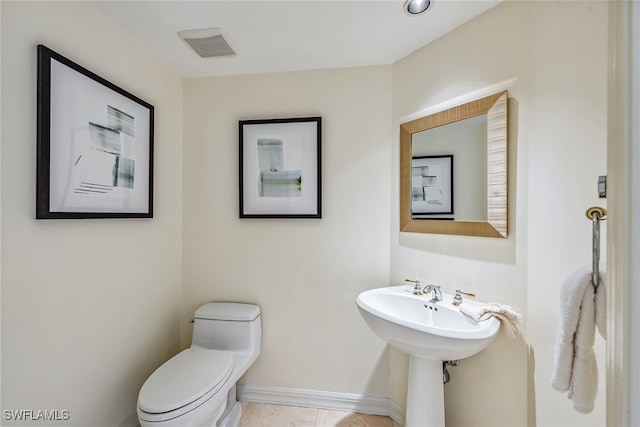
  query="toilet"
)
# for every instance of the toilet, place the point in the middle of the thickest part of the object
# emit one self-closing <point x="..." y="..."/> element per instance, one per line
<point x="197" y="387"/>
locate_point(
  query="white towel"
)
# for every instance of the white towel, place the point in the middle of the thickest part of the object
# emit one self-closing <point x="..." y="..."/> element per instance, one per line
<point x="575" y="368"/>
<point x="510" y="319"/>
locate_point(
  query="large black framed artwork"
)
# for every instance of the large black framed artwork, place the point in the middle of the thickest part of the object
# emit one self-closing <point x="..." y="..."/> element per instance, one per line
<point x="280" y="168"/>
<point x="94" y="145"/>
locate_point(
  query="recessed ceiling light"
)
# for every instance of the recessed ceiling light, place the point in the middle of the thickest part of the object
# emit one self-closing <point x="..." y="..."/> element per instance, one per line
<point x="416" y="7"/>
<point x="209" y="43"/>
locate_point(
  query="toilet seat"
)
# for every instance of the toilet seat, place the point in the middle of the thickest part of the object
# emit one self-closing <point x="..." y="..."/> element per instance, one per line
<point x="183" y="383"/>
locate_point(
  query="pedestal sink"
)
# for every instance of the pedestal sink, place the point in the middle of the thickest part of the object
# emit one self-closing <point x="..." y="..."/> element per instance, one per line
<point x="431" y="332"/>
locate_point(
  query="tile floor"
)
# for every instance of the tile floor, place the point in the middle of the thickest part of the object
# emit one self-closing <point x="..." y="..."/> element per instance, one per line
<point x="266" y="415"/>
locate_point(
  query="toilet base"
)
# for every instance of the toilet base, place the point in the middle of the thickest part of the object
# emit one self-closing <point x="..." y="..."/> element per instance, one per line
<point x="233" y="411"/>
<point x="232" y="419"/>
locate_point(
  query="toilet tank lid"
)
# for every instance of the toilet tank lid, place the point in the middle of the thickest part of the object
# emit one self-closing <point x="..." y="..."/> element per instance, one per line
<point x="232" y="311"/>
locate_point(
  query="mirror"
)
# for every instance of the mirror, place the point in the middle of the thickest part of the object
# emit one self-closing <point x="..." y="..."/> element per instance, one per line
<point x="453" y="170"/>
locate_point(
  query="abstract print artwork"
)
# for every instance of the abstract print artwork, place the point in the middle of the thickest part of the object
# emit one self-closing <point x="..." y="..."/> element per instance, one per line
<point x="280" y="168"/>
<point x="275" y="180"/>
<point x="95" y="145"/>
<point x="431" y="185"/>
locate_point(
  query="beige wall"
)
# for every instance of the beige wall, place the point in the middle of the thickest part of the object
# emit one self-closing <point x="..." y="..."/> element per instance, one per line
<point x="305" y="274"/>
<point x="556" y="51"/>
<point x="567" y="137"/>
<point x="89" y="307"/>
<point x="81" y="335"/>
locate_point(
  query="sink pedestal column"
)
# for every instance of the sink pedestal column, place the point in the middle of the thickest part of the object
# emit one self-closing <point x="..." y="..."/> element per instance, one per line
<point x="425" y="393"/>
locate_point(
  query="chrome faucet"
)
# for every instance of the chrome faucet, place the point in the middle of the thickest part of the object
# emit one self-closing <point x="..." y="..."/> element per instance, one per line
<point x="434" y="292"/>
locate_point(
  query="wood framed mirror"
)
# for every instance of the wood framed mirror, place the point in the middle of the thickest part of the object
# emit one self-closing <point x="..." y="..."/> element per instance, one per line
<point x="467" y="196"/>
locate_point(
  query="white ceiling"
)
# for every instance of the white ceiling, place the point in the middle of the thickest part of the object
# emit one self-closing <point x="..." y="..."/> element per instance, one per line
<point x="289" y="35"/>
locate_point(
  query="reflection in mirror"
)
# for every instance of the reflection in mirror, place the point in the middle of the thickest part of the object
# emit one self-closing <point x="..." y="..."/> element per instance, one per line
<point x="453" y="170"/>
<point x="432" y="179"/>
<point x="465" y="142"/>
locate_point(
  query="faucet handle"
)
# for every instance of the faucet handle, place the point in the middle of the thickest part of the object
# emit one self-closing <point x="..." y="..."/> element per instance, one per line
<point x="469" y="294"/>
<point x="457" y="299"/>
<point x="417" y="290"/>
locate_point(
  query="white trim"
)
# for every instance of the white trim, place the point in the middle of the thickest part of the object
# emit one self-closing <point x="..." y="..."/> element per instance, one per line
<point x="623" y="232"/>
<point x="396" y="412"/>
<point x="462" y="99"/>
<point x="323" y="400"/>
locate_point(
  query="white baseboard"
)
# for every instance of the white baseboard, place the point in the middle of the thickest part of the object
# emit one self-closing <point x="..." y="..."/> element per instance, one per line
<point x="396" y="412"/>
<point x="322" y="399"/>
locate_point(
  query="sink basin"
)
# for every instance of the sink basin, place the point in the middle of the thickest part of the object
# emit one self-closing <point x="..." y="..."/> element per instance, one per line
<point x="421" y="328"/>
<point x="430" y="333"/>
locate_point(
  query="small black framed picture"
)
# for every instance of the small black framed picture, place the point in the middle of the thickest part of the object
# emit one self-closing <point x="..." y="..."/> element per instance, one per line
<point x="432" y="185"/>
<point x="280" y="168"/>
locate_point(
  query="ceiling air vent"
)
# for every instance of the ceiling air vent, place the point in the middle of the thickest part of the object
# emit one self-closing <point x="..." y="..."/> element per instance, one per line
<point x="209" y="43"/>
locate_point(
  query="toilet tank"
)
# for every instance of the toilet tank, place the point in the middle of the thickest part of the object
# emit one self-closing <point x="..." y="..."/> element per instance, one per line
<point x="227" y="326"/>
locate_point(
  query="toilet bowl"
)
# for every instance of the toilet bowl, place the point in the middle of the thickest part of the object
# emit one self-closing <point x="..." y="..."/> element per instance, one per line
<point x="197" y="387"/>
